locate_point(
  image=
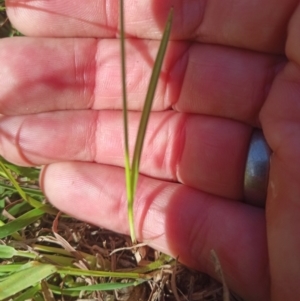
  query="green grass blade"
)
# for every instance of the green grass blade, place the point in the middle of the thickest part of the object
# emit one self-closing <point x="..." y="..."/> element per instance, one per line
<point x="149" y="100"/>
<point x="129" y="192"/>
<point x="124" y="97"/>
<point x="156" y="265"/>
<point x="25" y="278"/>
<point x="28" y="191"/>
<point x="9" y="268"/>
<point x="27" y="198"/>
<point x="7" y="252"/>
<point x="59" y="260"/>
<point x="18" y="209"/>
<point x="28" y="294"/>
<point x="29" y="172"/>
<point x="20" y="222"/>
<point x="79" y="272"/>
<point x="134" y="171"/>
<point x="58" y="291"/>
<point x="104" y="286"/>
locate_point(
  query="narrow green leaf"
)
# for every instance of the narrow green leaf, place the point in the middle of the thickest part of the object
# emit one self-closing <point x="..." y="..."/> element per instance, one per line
<point x="28" y="294"/>
<point x="29" y="172"/>
<point x="29" y="191"/>
<point x="124" y="97"/>
<point x="27" y="198"/>
<point x="66" y="255"/>
<point x="79" y="272"/>
<point x="4" y="192"/>
<point x="149" y="100"/>
<point x="155" y="265"/>
<point x="59" y="260"/>
<point x="25" y="278"/>
<point x="16" y="236"/>
<point x="58" y="291"/>
<point x="134" y="170"/>
<point x="53" y="250"/>
<point x="7" y="252"/>
<point x="19" y="209"/>
<point x="128" y="178"/>
<point x="104" y="286"/>
<point x="20" y="222"/>
<point x="9" y="268"/>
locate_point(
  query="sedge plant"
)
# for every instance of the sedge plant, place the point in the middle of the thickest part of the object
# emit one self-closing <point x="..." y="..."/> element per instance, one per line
<point x="132" y="168"/>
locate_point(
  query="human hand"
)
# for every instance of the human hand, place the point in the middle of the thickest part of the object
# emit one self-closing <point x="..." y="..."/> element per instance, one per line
<point x="60" y="101"/>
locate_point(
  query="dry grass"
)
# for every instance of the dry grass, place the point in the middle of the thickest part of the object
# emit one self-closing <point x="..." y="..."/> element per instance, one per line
<point x="99" y="243"/>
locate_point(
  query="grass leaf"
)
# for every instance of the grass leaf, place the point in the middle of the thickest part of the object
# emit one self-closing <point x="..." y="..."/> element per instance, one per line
<point x="104" y="286"/>
<point x="129" y="193"/>
<point x="9" y="268"/>
<point x="80" y="272"/>
<point x="27" y="198"/>
<point x="28" y="191"/>
<point x="7" y="252"/>
<point x="28" y="294"/>
<point x="20" y="280"/>
<point x="156" y="265"/>
<point x="149" y="100"/>
<point x="20" y="222"/>
<point x="29" y="172"/>
<point x="132" y="172"/>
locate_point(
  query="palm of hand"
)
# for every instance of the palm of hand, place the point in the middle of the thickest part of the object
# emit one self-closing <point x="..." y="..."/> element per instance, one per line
<point x="208" y="101"/>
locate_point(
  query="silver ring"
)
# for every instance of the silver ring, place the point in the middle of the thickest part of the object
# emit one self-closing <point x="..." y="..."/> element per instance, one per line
<point x="257" y="170"/>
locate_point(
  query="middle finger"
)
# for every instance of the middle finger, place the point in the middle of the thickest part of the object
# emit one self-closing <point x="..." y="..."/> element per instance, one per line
<point x="63" y="74"/>
<point x="204" y="152"/>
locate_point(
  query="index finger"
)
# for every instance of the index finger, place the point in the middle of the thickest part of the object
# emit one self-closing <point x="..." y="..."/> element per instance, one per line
<point x="252" y="24"/>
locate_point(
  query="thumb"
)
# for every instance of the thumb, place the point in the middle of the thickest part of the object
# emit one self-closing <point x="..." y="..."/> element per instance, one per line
<point x="280" y="119"/>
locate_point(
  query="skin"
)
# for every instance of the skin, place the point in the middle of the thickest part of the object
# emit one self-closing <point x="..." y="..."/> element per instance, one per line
<point x="231" y="66"/>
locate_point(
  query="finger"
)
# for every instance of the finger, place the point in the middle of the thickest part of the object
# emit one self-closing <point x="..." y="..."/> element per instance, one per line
<point x="170" y="217"/>
<point x="281" y="123"/>
<point x="203" y="152"/>
<point x="85" y="73"/>
<point x="258" y="25"/>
